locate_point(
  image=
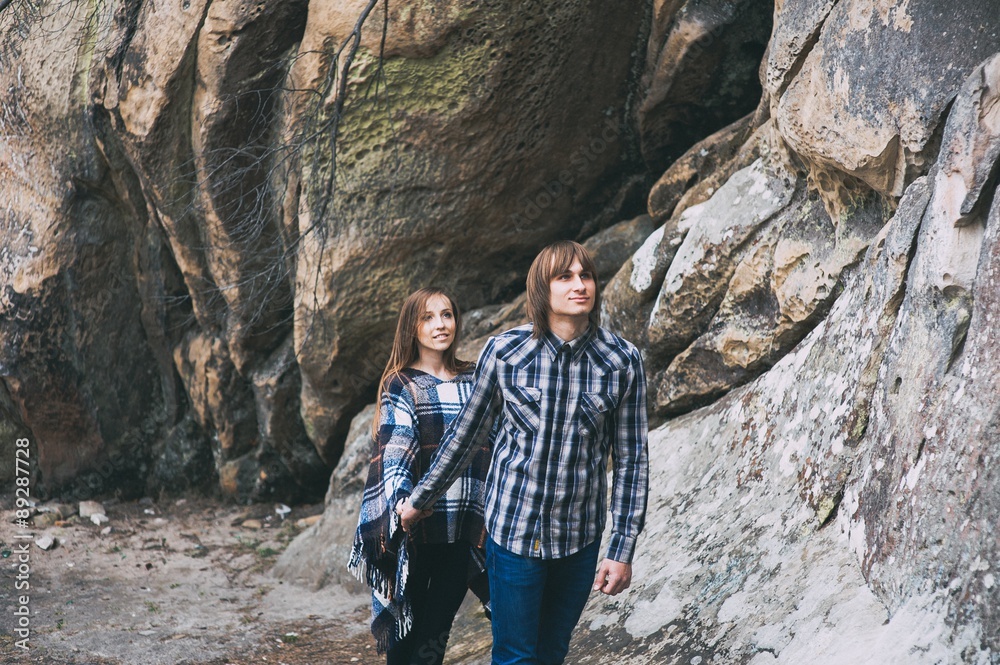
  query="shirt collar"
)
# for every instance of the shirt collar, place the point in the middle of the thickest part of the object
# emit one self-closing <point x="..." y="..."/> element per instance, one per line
<point x="553" y="343"/>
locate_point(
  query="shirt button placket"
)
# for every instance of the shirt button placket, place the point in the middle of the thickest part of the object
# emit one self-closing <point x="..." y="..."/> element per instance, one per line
<point x="563" y="360"/>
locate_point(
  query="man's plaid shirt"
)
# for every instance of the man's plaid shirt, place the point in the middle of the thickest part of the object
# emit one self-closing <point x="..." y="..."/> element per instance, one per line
<point x="563" y="409"/>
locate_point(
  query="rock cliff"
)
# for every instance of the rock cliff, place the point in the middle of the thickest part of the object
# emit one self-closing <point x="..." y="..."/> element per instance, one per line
<point x="211" y="210"/>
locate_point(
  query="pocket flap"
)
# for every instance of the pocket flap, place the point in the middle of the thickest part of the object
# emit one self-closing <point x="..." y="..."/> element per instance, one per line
<point x="599" y="402"/>
<point x="522" y="394"/>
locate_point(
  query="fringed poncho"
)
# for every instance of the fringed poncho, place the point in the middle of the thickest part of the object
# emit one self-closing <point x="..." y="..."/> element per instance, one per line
<point x="415" y="410"/>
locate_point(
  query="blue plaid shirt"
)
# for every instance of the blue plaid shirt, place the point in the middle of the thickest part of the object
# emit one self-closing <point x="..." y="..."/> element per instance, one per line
<point x="563" y="409"/>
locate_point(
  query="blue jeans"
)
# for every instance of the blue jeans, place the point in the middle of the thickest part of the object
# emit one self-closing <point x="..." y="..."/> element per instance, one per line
<point x="536" y="603"/>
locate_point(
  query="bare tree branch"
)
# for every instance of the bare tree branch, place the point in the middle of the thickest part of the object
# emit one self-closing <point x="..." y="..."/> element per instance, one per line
<point x="338" y="75"/>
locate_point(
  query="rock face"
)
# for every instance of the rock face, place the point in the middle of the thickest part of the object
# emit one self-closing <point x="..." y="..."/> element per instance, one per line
<point x="430" y="178"/>
<point x="199" y="282"/>
<point x="923" y="504"/>
<point x="700" y="75"/>
<point x="843" y="111"/>
<point x="838" y="508"/>
<point x="739" y="272"/>
<point x="70" y="303"/>
<point x="835" y="509"/>
<point x="171" y="199"/>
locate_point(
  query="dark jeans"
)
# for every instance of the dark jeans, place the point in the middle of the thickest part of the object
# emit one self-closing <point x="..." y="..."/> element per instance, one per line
<point x="438" y="579"/>
<point x="536" y="603"/>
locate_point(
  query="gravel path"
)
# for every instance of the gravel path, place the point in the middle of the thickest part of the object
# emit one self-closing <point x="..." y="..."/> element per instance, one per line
<point x="174" y="582"/>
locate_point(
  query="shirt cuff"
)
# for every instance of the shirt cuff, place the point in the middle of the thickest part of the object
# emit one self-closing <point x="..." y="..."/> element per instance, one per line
<point x="621" y="548"/>
<point x="418" y="497"/>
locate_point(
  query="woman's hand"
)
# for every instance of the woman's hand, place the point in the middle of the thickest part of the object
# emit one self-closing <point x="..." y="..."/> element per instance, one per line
<point x="408" y="515"/>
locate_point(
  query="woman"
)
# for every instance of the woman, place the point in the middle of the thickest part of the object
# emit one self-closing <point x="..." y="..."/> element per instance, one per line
<point x="419" y="580"/>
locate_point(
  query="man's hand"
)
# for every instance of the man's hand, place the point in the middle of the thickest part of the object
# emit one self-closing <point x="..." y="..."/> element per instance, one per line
<point x="408" y="515"/>
<point x="613" y="577"/>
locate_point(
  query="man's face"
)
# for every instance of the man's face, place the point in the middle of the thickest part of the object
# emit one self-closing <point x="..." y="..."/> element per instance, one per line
<point x="571" y="293"/>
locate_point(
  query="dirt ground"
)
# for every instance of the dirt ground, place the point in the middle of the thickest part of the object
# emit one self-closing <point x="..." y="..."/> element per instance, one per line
<point x="184" y="582"/>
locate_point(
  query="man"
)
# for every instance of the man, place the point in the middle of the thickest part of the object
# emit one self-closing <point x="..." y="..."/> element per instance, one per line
<point x="568" y="394"/>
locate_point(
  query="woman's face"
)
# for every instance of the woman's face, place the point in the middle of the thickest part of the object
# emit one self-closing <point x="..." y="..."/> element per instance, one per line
<point x="436" y="325"/>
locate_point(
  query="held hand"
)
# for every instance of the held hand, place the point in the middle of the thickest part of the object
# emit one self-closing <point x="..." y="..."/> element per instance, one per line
<point x="408" y="515"/>
<point x="613" y="577"/>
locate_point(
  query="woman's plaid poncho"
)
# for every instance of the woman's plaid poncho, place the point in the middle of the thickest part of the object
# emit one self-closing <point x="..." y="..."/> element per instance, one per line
<point x="415" y="410"/>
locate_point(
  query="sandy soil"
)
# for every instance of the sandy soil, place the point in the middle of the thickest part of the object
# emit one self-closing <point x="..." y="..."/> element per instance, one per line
<point x="183" y="582"/>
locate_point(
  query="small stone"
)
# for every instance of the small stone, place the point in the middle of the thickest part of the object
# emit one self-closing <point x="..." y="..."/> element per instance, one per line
<point x="60" y="510"/>
<point x="146" y="501"/>
<point x="106" y="530"/>
<point x="88" y="508"/>
<point x="99" y="519"/>
<point x="45" y="519"/>
<point x="308" y="521"/>
<point x="251" y="524"/>
<point x="65" y="510"/>
<point x="45" y="542"/>
<point x="149" y="511"/>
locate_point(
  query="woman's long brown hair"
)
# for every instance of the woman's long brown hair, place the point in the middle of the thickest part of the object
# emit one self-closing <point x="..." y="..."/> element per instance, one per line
<point x="405" y="350"/>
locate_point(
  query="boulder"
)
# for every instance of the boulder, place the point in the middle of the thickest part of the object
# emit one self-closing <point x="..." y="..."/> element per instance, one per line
<point x="868" y="98"/>
<point x="613" y="246"/>
<point x="88" y="509"/>
<point x="721" y="228"/>
<point x="319" y="555"/>
<point x="699" y="163"/>
<point x="781" y="288"/>
<point x="430" y="183"/>
<point x="700" y="73"/>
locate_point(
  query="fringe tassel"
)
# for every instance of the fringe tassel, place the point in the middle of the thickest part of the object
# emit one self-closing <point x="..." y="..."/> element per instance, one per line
<point x="392" y="614"/>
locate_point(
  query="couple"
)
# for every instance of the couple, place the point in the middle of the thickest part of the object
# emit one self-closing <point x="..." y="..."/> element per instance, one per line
<point x="512" y="457"/>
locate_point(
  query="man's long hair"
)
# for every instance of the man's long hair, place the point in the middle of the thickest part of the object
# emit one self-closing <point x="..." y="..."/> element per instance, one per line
<point x="551" y="261"/>
<point x="405" y="351"/>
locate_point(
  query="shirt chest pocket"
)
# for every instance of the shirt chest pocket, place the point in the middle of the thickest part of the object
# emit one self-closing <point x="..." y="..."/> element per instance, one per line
<point x="522" y="407"/>
<point x="595" y="410"/>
